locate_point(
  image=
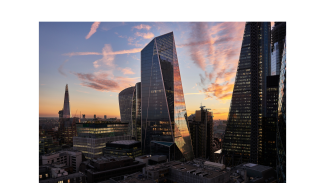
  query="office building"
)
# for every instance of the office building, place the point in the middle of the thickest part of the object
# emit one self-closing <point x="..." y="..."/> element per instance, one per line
<point x="163" y="108"/>
<point x="105" y="167"/>
<point x="70" y="158"/>
<point x="92" y="137"/>
<point x="130" y="148"/>
<point x="67" y="130"/>
<point x="275" y="60"/>
<point x="269" y="124"/>
<point x="243" y="137"/>
<point x="281" y="123"/>
<point x="201" y="130"/>
<point x="57" y="174"/>
<point x="278" y="35"/>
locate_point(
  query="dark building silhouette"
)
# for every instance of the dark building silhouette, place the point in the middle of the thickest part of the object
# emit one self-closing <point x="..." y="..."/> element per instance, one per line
<point x="243" y="137"/>
<point x="269" y="124"/>
<point x="130" y="148"/>
<point x="281" y="123"/>
<point x="66" y="105"/>
<point x="201" y="130"/>
<point x="163" y="109"/>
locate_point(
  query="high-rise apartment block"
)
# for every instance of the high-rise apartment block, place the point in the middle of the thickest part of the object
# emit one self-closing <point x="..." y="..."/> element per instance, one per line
<point x="163" y="108"/>
<point x="243" y="136"/>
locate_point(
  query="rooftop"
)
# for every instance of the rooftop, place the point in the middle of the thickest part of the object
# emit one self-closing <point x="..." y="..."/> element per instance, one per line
<point x="125" y="142"/>
<point x="64" y="177"/>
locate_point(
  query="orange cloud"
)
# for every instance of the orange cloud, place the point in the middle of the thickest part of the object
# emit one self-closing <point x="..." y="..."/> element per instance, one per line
<point x="134" y="50"/>
<point x="142" y="26"/>
<point x="93" y="29"/>
<point x="148" y="35"/>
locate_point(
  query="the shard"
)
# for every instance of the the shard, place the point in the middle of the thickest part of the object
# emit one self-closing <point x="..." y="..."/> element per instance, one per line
<point x="164" y="117"/>
<point x="66" y="104"/>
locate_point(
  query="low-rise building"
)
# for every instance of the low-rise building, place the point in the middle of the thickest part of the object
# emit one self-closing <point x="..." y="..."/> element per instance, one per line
<point x="70" y="158"/>
<point x="119" y="148"/>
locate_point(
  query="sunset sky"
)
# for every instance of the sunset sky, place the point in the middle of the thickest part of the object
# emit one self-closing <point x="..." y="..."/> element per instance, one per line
<point x="99" y="59"/>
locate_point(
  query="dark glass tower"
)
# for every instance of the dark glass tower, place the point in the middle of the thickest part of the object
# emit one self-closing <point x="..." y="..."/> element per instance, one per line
<point x="278" y="35"/>
<point x="269" y="124"/>
<point x="162" y="100"/>
<point x="243" y="136"/>
<point x="66" y="104"/>
<point x="281" y="124"/>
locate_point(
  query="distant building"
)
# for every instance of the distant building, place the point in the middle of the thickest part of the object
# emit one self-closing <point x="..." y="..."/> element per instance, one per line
<point x="46" y="145"/>
<point x="130" y="148"/>
<point x="104" y="116"/>
<point x="105" y="167"/>
<point x="130" y="109"/>
<point x="92" y="137"/>
<point x="65" y="112"/>
<point x="201" y="130"/>
<point x="67" y="130"/>
<point x="68" y="158"/>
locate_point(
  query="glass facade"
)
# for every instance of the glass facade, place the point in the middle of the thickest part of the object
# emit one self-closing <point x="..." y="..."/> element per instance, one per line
<point x="243" y="136"/>
<point x="162" y="100"/>
<point x="138" y="111"/>
<point x="275" y="60"/>
<point x="127" y="107"/>
<point x="100" y="130"/>
<point x="281" y="123"/>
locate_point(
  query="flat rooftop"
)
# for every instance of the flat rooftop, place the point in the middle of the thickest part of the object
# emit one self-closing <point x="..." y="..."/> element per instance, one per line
<point x="125" y="142"/>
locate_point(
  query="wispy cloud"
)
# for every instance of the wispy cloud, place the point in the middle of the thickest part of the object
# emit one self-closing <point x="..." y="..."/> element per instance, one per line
<point x="134" y="50"/>
<point x="60" y="69"/>
<point x="93" y="29"/>
<point x="104" y="82"/>
<point x="148" y="35"/>
<point x="215" y="49"/>
<point x="142" y="26"/>
<point x="126" y="70"/>
<point x="200" y="93"/>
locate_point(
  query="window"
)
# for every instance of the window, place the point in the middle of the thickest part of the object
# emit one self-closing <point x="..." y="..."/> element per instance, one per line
<point x="40" y="176"/>
<point x="46" y="175"/>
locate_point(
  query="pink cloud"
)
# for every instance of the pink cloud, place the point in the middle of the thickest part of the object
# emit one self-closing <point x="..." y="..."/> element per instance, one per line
<point x="148" y="35"/>
<point x="134" y="50"/>
<point x="126" y="70"/>
<point x="142" y="26"/>
<point x="93" y="29"/>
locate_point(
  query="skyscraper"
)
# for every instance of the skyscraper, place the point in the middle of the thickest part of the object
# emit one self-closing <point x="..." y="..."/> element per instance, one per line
<point x="281" y="123"/>
<point x="66" y="105"/>
<point x="243" y="136"/>
<point x="278" y="34"/>
<point x="127" y="106"/>
<point x="163" y="108"/>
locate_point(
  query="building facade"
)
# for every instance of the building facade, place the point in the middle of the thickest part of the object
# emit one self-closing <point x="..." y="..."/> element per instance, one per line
<point x="163" y="108"/>
<point x="71" y="158"/>
<point x="243" y="136"/>
<point x="130" y="148"/>
<point x="269" y="124"/>
<point x="127" y="106"/>
<point x="92" y="137"/>
<point x="201" y="130"/>
<point x="278" y="35"/>
<point x="281" y="123"/>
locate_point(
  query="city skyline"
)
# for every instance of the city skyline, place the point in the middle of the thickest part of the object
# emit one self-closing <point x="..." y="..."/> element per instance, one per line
<point x="99" y="60"/>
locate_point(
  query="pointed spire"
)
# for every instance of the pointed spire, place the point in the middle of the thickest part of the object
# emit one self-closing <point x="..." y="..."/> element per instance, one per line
<point x="66" y="87"/>
<point x="66" y="104"/>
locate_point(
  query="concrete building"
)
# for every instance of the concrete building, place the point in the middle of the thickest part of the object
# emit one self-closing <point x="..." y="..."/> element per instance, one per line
<point x="70" y="158"/>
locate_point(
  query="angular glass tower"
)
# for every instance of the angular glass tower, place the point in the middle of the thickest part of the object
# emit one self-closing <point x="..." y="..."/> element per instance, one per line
<point x="66" y="104"/>
<point x="163" y="111"/>
<point x="243" y="136"/>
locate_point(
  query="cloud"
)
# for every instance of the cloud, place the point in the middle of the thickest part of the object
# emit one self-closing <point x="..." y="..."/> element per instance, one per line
<point x="148" y="35"/>
<point x="142" y="26"/>
<point x="126" y="70"/>
<point x="60" y="69"/>
<point x="105" y="83"/>
<point x="93" y="29"/>
<point x="134" y="50"/>
<point x="215" y="49"/>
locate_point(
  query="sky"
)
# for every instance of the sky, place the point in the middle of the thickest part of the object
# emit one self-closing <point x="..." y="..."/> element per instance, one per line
<point x="99" y="59"/>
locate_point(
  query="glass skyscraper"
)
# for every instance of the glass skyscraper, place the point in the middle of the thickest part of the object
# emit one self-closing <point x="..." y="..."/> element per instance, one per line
<point x="163" y="111"/>
<point x="281" y="124"/>
<point x="243" y="136"/>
